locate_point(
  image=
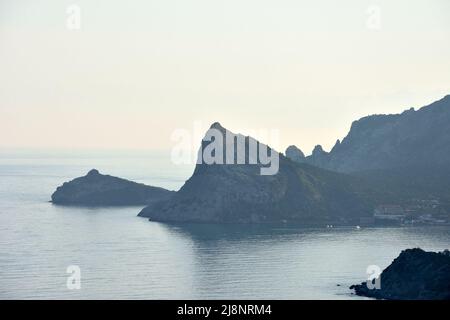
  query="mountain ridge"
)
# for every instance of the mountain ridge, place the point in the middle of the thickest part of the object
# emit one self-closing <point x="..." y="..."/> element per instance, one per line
<point x="408" y="139"/>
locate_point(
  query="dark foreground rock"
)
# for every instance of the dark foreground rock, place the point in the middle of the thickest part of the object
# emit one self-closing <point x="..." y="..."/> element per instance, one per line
<point x="96" y="189"/>
<point x="238" y="193"/>
<point x="414" y="275"/>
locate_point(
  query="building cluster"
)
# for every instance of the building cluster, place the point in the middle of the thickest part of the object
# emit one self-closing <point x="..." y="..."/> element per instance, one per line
<point x="415" y="212"/>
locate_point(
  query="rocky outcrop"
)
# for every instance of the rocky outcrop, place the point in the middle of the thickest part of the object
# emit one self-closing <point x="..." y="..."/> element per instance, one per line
<point x="229" y="193"/>
<point x="295" y="154"/>
<point x="336" y="145"/>
<point x="413" y="275"/>
<point x="96" y="189"/>
<point x="319" y="157"/>
<point x="411" y="139"/>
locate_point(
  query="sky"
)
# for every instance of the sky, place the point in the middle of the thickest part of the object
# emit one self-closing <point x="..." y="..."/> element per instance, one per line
<point x="136" y="71"/>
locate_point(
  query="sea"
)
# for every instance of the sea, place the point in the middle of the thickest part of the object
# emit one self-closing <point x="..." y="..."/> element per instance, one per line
<point x="57" y="252"/>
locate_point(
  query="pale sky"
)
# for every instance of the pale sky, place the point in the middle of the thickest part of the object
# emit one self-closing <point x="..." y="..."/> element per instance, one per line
<point x="138" y="70"/>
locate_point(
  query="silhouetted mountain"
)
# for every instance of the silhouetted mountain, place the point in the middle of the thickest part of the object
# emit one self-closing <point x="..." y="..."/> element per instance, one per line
<point x="413" y="275"/>
<point x="410" y="139"/>
<point x="239" y="193"/>
<point x="96" y="189"/>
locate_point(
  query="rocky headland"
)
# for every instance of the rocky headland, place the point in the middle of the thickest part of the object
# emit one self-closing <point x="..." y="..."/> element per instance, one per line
<point x="238" y="193"/>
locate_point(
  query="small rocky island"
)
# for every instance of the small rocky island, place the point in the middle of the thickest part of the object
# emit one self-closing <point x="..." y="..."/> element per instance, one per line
<point x="414" y="275"/>
<point x="95" y="189"/>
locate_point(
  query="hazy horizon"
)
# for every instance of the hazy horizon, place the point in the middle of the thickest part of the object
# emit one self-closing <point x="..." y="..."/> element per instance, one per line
<point x="133" y="73"/>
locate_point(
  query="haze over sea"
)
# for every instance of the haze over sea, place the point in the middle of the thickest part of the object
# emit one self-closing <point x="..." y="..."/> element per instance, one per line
<point x="122" y="256"/>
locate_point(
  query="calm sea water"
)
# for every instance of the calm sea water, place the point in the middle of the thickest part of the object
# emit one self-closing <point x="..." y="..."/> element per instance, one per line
<point x="122" y="256"/>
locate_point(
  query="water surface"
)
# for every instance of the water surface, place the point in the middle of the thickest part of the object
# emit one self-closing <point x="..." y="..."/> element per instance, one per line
<point x="122" y="256"/>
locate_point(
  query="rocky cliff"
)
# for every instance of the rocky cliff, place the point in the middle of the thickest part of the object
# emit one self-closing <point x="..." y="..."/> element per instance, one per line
<point x="96" y="189"/>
